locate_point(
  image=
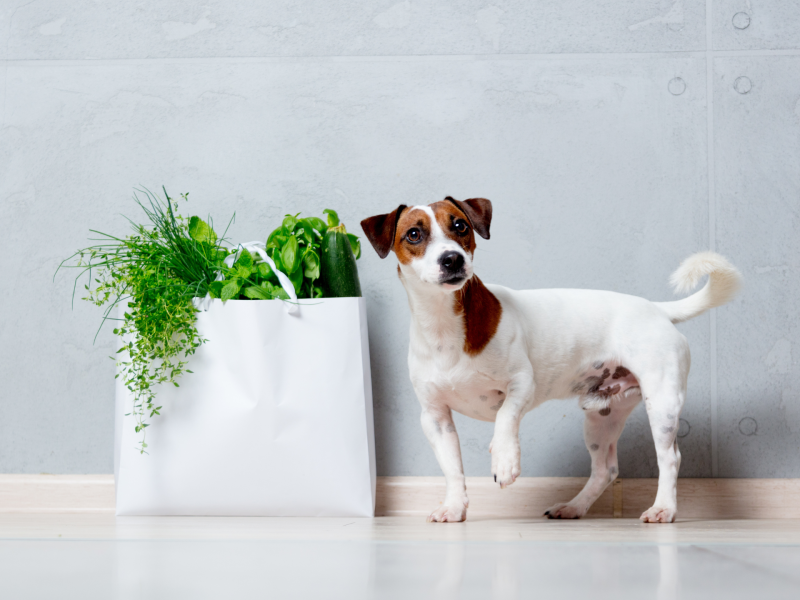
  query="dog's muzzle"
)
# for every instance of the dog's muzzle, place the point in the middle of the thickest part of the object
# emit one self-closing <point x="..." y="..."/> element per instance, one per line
<point x="452" y="264"/>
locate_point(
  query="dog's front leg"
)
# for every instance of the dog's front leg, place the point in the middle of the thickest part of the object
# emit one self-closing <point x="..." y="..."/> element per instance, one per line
<point x="437" y="423"/>
<point x="505" y="443"/>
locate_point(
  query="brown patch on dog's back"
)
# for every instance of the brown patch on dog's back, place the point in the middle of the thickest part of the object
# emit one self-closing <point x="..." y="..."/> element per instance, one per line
<point x="406" y="251"/>
<point x="482" y="312"/>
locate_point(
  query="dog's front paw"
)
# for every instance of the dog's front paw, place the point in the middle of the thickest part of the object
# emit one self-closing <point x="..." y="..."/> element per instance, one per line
<point x="657" y="514"/>
<point x="505" y="462"/>
<point x="449" y="513"/>
<point x="564" y="511"/>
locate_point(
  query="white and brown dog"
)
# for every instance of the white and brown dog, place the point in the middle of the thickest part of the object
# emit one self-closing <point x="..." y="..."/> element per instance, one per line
<point x="494" y="354"/>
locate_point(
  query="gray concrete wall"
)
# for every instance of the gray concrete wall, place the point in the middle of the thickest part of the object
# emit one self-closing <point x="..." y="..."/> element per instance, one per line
<point x="615" y="138"/>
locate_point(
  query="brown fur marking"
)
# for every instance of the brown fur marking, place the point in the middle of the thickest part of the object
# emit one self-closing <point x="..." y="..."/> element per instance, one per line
<point x="620" y="372"/>
<point x="478" y="212"/>
<point x="482" y="312"/>
<point x="405" y="250"/>
<point x="446" y="215"/>
<point x="594" y="384"/>
<point x="380" y="230"/>
<point x="605" y="411"/>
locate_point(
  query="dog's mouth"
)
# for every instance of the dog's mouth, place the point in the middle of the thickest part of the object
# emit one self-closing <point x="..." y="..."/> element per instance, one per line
<point x="453" y="279"/>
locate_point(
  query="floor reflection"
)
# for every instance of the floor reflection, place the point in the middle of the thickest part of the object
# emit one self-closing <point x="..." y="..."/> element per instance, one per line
<point x="403" y="570"/>
<point x="452" y="575"/>
<point x="669" y="580"/>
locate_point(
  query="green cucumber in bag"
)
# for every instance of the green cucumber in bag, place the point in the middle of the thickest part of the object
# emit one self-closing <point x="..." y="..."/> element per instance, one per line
<point x="338" y="269"/>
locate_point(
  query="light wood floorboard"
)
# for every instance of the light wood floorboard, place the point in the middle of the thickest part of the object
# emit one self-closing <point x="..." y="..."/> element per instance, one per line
<point x="108" y="527"/>
<point x="529" y="497"/>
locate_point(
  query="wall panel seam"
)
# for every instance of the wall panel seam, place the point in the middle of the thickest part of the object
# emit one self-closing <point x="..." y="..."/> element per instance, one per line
<point x="712" y="237"/>
<point x="569" y="56"/>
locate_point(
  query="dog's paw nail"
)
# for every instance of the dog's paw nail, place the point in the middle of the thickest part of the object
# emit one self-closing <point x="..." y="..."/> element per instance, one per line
<point x="546" y="513"/>
<point x="495" y="478"/>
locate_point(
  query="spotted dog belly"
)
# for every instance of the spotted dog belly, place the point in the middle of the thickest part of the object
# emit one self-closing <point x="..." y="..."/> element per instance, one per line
<point x="478" y="402"/>
<point x="599" y="385"/>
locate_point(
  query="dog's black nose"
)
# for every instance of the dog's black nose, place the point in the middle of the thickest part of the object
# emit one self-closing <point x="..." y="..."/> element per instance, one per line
<point x="452" y="261"/>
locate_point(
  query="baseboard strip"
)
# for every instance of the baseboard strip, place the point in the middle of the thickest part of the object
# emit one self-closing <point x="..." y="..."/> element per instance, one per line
<point x="56" y="493"/>
<point x="529" y="497"/>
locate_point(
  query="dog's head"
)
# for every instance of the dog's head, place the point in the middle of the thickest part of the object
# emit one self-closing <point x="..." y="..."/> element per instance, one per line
<point x="433" y="243"/>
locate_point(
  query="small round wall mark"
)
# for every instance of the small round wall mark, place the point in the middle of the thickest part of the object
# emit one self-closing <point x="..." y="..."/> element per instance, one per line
<point x="748" y="426"/>
<point x="683" y="428"/>
<point x="743" y="85"/>
<point x="741" y="20"/>
<point x="676" y="86"/>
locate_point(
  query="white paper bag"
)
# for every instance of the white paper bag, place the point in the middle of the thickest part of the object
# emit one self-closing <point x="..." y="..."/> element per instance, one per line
<point x="275" y="420"/>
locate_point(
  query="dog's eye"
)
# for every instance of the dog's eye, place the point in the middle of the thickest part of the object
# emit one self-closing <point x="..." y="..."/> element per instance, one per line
<point x="414" y="235"/>
<point x="461" y="226"/>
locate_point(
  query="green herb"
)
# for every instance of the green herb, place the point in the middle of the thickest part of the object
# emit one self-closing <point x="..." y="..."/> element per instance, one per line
<point x="154" y="273"/>
<point x="295" y="248"/>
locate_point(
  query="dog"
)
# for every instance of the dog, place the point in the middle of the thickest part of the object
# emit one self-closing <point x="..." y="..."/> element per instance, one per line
<point x="494" y="354"/>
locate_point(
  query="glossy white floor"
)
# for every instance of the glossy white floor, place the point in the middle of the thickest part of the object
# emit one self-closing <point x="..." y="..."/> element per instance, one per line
<point x="90" y="556"/>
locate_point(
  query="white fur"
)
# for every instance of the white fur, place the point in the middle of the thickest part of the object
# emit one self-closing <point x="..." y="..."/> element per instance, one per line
<point x="547" y="344"/>
<point x="723" y="282"/>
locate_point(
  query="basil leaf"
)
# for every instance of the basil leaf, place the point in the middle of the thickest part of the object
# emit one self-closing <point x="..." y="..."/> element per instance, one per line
<point x="311" y="264"/>
<point x="277" y="238"/>
<point x="276" y="258"/>
<point x="317" y="224"/>
<point x="306" y="234"/>
<point x="290" y="255"/>
<point x="265" y="271"/>
<point x="333" y="218"/>
<point x="279" y="293"/>
<point x="355" y="245"/>
<point x="297" y="280"/>
<point x="289" y="223"/>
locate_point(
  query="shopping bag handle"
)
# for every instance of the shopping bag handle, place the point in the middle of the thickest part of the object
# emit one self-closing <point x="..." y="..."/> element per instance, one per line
<point x="260" y="249"/>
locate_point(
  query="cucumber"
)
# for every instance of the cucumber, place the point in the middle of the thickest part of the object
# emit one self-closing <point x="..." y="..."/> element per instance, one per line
<point x="338" y="270"/>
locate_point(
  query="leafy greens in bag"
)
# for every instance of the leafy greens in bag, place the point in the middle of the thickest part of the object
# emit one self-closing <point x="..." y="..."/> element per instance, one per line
<point x="156" y="271"/>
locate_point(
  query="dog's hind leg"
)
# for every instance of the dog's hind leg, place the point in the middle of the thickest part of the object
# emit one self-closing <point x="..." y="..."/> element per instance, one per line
<point x="601" y="431"/>
<point x="664" y="396"/>
<point x="663" y="411"/>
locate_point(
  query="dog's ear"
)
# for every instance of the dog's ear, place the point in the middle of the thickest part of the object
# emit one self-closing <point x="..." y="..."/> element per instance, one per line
<point x="380" y="230"/>
<point x="478" y="211"/>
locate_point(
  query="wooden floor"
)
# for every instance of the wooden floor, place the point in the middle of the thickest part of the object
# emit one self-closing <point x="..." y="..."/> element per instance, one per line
<point x="90" y="556"/>
<point x="59" y="538"/>
<point x="94" y="526"/>
<point x="528" y="498"/>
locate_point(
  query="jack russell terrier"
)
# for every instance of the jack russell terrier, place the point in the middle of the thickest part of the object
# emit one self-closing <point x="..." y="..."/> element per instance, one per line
<point x="494" y="354"/>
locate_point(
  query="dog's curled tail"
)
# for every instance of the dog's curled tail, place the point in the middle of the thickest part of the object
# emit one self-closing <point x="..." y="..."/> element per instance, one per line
<point x="724" y="280"/>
